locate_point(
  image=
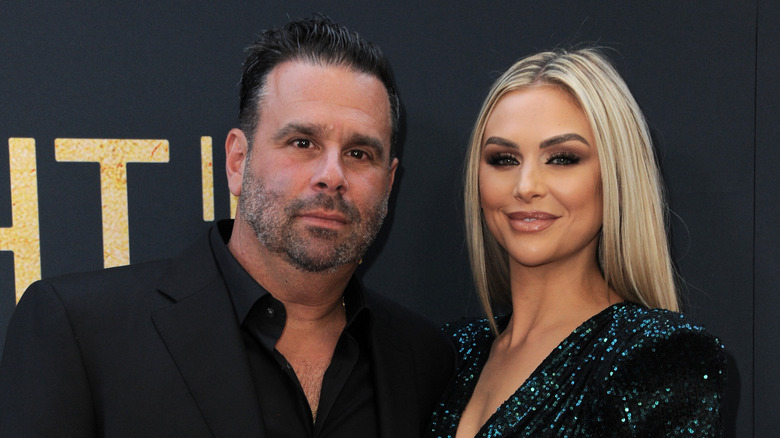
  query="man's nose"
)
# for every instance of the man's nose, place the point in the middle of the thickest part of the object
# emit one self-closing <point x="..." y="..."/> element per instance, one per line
<point x="329" y="174"/>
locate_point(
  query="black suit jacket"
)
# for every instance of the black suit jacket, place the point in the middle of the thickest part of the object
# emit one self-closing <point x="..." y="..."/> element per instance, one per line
<point x="155" y="350"/>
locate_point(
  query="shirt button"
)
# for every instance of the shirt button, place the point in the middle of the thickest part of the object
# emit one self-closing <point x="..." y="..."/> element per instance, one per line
<point x="270" y="312"/>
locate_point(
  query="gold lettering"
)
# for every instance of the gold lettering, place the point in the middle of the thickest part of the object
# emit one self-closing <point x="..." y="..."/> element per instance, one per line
<point x="113" y="156"/>
<point x="23" y="238"/>
<point x="207" y="176"/>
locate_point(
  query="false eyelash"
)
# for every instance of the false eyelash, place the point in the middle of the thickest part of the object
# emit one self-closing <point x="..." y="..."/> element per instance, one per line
<point x="569" y="156"/>
<point x="502" y="159"/>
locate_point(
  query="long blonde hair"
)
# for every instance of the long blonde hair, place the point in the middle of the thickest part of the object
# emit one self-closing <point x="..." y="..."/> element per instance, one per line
<point x="633" y="250"/>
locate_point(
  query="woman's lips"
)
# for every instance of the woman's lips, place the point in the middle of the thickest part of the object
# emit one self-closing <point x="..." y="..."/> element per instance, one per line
<point x="531" y="221"/>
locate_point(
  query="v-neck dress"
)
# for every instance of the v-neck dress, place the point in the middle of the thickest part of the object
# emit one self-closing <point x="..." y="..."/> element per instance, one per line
<point x="627" y="371"/>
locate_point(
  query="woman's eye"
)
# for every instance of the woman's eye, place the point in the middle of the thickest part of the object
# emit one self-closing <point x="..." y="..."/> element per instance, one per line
<point x="301" y="143"/>
<point x="563" y="159"/>
<point x="502" y="159"/>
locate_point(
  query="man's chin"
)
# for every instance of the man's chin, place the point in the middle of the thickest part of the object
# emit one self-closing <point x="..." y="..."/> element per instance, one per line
<point x="317" y="264"/>
<point x="326" y="234"/>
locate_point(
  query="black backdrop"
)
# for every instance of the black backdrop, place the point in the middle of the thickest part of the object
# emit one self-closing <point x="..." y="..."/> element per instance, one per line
<point x="705" y="74"/>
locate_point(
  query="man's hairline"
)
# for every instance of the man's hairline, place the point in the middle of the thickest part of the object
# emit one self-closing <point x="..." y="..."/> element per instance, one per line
<point x="262" y="92"/>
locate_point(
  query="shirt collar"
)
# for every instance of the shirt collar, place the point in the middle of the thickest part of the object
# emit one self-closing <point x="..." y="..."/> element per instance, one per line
<point x="245" y="291"/>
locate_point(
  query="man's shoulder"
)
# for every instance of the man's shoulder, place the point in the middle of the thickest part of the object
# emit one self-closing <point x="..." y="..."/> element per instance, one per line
<point x="101" y="287"/>
<point x="404" y="323"/>
<point x="128" y="275"/>
<point x="390" y="311"/>
<point x="121" y="285"/>
<point x="406" y="330"/>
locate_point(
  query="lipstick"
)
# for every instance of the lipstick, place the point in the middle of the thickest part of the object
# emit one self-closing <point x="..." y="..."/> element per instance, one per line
<point x="531" y="221"/>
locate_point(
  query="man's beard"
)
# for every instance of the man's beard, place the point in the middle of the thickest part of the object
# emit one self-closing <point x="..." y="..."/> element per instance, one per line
<point x="309" y="248"/>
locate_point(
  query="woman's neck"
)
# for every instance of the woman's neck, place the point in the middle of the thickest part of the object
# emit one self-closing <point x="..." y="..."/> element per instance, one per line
<point x="554" y="297"/>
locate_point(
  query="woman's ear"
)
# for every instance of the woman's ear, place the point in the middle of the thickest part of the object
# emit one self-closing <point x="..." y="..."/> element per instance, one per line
<point x="236" y="148"/>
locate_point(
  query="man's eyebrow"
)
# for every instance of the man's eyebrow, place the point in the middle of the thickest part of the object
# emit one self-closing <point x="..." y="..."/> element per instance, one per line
<point x="297" y="128"/>
<point x="313" y="130"/>
<point x="558" y="139"/>
<point x="368" y="141"/>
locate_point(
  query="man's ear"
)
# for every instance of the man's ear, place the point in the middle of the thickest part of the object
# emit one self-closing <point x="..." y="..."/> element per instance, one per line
<point x="393" y="168"/>
<point x="236" y="148"/>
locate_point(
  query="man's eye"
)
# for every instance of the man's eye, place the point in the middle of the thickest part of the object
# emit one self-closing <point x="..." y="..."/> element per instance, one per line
<point x="302" y="143"/>
<point x="357" y="154"/>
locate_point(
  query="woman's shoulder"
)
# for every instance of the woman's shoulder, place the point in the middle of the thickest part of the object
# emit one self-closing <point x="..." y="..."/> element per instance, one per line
<point x="470" y="333"/>
<point x="663" y="345"/>
<point x="467" y="329"/>
<point x="638" y="324"/>
<point x="666" y="373"/>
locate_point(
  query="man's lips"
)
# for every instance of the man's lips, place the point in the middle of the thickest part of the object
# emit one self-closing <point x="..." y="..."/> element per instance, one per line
<point x="324" y="218"/>
<point x="531" y="221"/>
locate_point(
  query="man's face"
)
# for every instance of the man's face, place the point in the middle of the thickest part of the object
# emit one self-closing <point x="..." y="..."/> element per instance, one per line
<point x="317" y="180"/>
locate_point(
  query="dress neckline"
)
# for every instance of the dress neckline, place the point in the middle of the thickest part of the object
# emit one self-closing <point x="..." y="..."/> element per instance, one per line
<point x="502" y="321"/>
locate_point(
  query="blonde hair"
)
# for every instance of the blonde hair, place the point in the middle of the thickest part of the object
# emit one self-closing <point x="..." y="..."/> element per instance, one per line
<point x="633" y="250"/>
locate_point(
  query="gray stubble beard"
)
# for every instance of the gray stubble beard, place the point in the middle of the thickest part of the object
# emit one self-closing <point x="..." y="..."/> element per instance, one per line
<point x="274" y="226"/>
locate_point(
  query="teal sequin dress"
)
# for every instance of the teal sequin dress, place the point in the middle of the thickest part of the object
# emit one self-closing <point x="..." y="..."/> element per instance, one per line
<point x="628" y="371"/>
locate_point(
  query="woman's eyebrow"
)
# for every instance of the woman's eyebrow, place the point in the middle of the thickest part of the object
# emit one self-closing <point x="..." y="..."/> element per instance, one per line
<point x="558" y="139"/>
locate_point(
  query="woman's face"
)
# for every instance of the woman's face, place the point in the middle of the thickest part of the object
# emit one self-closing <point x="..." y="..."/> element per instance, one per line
<point x="539" y="178"/>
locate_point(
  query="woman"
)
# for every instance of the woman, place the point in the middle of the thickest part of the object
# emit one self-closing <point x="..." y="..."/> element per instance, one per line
<point x="566" y="228"/>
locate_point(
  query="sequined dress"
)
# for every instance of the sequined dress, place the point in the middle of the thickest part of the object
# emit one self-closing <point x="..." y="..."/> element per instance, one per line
<point x="627" y="371"/>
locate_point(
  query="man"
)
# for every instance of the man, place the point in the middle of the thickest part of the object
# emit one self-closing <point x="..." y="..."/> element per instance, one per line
<point x="260" y="328"/>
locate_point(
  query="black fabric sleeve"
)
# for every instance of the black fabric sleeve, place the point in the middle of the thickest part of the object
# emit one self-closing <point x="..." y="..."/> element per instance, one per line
<point x="666" y="386"/>
<point x="44" y="388"/>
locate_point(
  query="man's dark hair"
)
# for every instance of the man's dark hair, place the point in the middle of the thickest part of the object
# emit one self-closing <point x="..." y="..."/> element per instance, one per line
<point x="316" y="40"/>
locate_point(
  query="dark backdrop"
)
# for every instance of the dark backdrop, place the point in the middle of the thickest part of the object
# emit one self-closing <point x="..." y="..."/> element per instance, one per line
<point x="705" y="74"/>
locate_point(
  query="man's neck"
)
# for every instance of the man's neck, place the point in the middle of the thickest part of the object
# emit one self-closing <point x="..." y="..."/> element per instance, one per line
<point x="305" y="295"/>
<point x="313" y="302"/>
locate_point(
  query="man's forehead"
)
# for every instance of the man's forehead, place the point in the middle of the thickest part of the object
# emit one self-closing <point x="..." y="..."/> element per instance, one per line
<point x="282" y="72"/>
<point x="301" y="80"/>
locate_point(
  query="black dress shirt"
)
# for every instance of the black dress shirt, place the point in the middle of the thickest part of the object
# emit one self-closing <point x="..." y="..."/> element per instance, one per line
<point x="347" y="407"/>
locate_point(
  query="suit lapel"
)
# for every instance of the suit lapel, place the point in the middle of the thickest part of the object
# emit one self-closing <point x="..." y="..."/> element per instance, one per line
<point x="204" y="339"/>
<point x="395" y="383"/>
